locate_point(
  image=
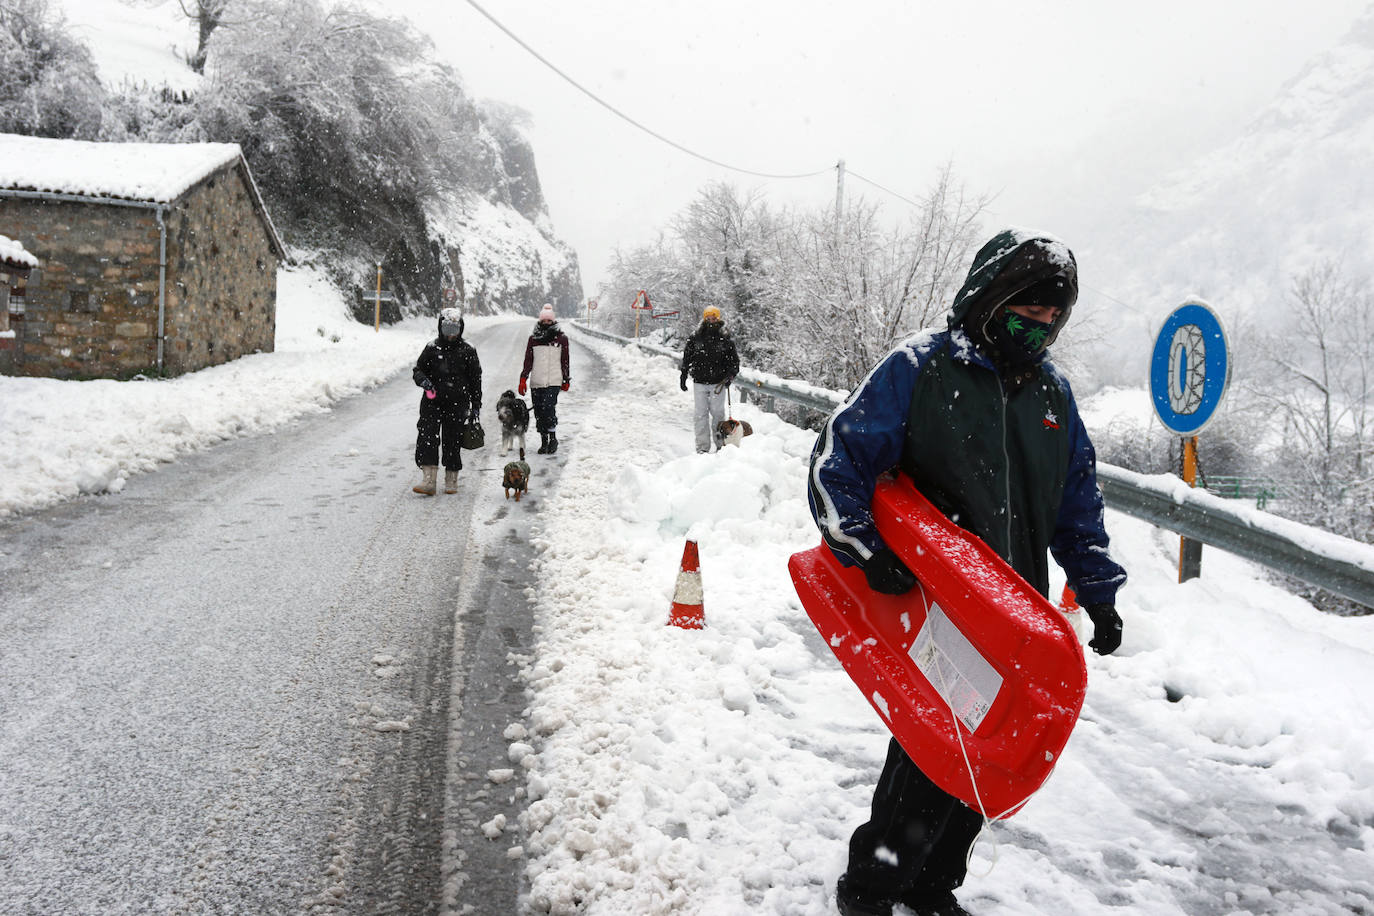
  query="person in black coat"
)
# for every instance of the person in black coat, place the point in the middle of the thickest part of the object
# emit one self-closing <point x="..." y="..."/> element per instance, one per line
<point x="451" y="375"/>
<point x="712" y="361"/>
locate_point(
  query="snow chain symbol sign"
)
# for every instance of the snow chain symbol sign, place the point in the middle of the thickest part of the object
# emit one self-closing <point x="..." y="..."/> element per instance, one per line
<point x="1189" y="369"/>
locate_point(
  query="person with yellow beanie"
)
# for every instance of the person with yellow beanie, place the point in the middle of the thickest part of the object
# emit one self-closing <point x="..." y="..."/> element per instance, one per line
<point x="711" y="360"/>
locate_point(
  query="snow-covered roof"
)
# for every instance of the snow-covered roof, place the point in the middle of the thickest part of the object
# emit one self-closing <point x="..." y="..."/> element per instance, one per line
<point x="15" y="254"/>
<point x="156" y="173"/>
<point x="152" y="172"/>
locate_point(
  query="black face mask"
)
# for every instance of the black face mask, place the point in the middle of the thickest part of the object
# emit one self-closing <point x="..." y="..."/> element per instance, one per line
<point x="451" y="329"/>
<point x="1011" y="339"/>
<point x="1026" y="334"/>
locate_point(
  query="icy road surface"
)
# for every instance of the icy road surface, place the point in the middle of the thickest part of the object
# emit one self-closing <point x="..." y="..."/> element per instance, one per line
<point x="269" y="678"/>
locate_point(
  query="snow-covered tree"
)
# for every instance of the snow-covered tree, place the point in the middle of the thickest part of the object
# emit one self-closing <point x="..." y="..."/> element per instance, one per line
<point x="882" y="284"/>
<point x="48" y="82"/>
<point x="725" y="238"/>
<point x="348" y="120"/>
<point x="1321" y="350"/>
<point x="805" y="297"/>
<point x="207" y="15"/>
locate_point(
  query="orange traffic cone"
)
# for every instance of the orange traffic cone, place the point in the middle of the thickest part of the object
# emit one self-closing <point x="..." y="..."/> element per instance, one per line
<point x="1068" y="606"/>
<point x="688" y="611"/>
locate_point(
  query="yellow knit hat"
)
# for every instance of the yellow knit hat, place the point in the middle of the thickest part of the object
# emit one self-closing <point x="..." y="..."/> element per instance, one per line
<point x="711" y="313"/>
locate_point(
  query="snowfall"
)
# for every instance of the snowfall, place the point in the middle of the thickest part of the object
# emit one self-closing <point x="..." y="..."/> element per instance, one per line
<point x="1223" y="762"/>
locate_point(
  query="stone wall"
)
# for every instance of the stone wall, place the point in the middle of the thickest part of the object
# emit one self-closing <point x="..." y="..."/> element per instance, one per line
<point x="221" y="276"/>
<point x="94" y="312"/>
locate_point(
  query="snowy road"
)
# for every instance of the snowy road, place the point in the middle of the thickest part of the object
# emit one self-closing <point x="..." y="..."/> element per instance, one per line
<point x="229" y="688"/>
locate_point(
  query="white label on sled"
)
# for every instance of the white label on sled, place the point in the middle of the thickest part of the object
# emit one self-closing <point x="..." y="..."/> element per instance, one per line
<point x="955" y="669"/>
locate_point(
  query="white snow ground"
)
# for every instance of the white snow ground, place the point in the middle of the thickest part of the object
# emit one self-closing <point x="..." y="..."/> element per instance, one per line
<point x="720" y="771"/>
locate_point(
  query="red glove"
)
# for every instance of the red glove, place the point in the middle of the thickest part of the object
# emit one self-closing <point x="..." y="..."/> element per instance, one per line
<point x="431" y="393"/>
<point x="522" y="386"/>
<point x="565" y="385"/>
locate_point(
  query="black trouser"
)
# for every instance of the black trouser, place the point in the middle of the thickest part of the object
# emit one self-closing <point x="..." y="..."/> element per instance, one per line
<point x="545" y="408"/>
<point x="441" y="422"/>
<point x="916" y="845"/>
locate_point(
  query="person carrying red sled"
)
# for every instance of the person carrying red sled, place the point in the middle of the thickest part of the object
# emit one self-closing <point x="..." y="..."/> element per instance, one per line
<point x="988" y="430"/>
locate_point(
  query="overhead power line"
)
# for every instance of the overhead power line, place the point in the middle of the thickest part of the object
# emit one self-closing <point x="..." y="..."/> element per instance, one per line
<point x="854" y="174"/>
<point x="620" y="114"/>
<point x="690" y="152"/>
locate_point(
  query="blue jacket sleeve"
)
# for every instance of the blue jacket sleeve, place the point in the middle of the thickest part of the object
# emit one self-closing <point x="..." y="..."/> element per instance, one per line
<point x="1079" y="544"/>
<point x="860" y="441"/>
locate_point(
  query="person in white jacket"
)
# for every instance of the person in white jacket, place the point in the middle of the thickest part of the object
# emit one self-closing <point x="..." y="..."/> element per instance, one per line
<point x="545" y="373"/>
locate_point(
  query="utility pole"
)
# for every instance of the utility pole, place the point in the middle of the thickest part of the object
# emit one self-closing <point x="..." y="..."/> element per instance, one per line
<point x="839" y="204"/>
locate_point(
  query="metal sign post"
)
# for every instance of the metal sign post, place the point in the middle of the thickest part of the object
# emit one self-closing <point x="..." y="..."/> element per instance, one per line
<point x="1189" y="370"/>
<point x="377" y="306"/>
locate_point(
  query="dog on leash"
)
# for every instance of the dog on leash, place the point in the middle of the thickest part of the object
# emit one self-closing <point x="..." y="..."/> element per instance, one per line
<point x="515" y="421"/>
<point x="516" y="477"/>
<point x="732" y="431"/>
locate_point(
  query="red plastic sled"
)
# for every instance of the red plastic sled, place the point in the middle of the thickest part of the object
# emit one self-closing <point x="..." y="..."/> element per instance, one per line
<point x="972" y="639"/>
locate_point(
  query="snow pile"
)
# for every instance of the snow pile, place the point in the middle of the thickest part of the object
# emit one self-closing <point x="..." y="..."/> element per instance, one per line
<point x="672" y="775"/>
<point x="62" y="438"/>
<point x="15" y="253"/>
<point x="1222" y="764"/>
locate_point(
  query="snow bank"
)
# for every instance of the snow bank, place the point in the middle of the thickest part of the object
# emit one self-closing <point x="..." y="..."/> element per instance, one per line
<point x="1221" y="765"/>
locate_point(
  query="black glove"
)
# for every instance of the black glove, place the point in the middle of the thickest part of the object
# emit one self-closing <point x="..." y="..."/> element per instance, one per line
<point x="1106" y="628"/>
<point x="682" y="383"/>
<point x="887" y="574"/>
<point x="424" y="382"/>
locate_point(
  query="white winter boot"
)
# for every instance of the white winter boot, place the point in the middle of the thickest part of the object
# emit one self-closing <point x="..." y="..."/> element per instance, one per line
<point x="426" y="486"/>
<point x="450" y="481"/>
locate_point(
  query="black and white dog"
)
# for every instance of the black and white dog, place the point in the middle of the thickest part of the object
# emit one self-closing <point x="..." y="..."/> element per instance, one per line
<point x="515" y="421"/>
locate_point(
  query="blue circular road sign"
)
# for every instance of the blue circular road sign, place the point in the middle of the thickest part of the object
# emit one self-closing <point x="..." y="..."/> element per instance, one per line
<point x="1189" y="368"/>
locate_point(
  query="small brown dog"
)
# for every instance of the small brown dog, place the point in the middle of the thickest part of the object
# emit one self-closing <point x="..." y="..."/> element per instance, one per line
<point x="732" y="431"/>
<point x="516" y="477"/>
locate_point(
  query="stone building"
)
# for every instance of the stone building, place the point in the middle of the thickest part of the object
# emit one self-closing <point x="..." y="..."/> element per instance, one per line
<point x="156" y="258"/>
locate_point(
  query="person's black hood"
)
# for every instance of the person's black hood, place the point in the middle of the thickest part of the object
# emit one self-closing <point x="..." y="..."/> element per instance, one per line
<point x="1016" y="267"/>
<point x="448" y="315"/>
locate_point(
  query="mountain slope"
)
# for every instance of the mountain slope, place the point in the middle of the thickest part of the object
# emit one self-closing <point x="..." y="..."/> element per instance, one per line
<point x="1294" y="188"/>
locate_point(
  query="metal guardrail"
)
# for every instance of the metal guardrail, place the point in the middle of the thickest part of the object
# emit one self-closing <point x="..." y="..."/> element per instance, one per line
<point x="1337" y="564"/>
<point x="1326" y="560"/>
